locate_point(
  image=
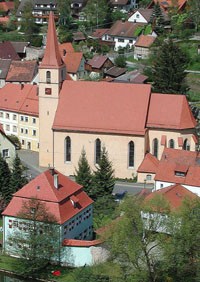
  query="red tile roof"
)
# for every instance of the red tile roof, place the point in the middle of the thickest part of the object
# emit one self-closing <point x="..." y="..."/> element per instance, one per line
<point x="149" y="164"/>
<point x="169" y="3"/>
<point x="52" y="58"/>
<point x="174" y="195"/>
<point x="97" y="61"/>
<point x="174" y="160"/>
<point x="7" y="6"/>
<point x="124" y="29"/>
<point x="68" y="47"/>
<point x="57" y="200"/>
<point x="145" y="41"/>
<point x="98" y="33"/>
<point x="72" y="61"/>
<point x="80" y="243"/>
<point x="4" y="20"/>
<point x="103" y="107"/>
<point x="7" y="51"/>
<point x="170" y="111"/>
<point x="19" y="98"/>
<point x="22" y="71"/>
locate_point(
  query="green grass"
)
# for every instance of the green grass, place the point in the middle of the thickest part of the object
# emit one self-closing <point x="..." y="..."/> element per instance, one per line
<point x="12" y="36"/>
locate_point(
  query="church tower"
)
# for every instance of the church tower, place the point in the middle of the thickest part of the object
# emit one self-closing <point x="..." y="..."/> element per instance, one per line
<point x="52" y="72"/>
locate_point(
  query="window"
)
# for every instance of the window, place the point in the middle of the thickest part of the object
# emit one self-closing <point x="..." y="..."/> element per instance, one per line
<point x="21" y="118"/>
<point x="68" y="149"/>
<point x="7" y="127"/>
<point x="120" y="40"/>
<point x="7" y="115"/>
<point x="14" y="117"/>
<point x="5" y="153"/>
<point x="171" y="143"/>
<point x="26" y="119"/>
<point x="22" y="130"/>
<point x="23" y="142"/>
<point x="48" y="77"/>
<point x="186" y="145"/>
<point x="34" y="132"/>
<point x="34" y="120"/>
<point x="137" y="16"/>
<point x="14" y="128"/>
<point x="131" y="152"/>
<point x="130" y="41"/>
<point x="97" y="150"/>
<point x="1" y="114"/>
<point x="148" y="177"/>
<point x="155" y="147"/>
<point x="26" y="131"/>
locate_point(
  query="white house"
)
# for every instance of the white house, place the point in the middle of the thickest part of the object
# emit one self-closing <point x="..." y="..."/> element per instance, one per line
<point x="7" y="147"/>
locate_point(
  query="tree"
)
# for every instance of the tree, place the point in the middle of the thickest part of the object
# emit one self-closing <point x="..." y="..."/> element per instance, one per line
<point x="193" y="10"/>
<point x="64" y="9"/>
<point x="120" y="61"/>
<point x="134" y="244"/>
<point x="103" y="180"/>
<point x="181" y="251"/>
<point x="17" y="179"/>
<point x="96" y="12"/>
<point x="168" y="69"/>
<point x="39" y="242"/>
<point x="4" y="180"/>
<point x="83" y="174"/>
<point x="157" y="19"/>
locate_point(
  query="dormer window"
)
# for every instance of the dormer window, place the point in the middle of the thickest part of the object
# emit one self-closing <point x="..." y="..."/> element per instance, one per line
<point x="181" y="170"/>
<point x="48" y="77"/>
<point x="180" y="173"/>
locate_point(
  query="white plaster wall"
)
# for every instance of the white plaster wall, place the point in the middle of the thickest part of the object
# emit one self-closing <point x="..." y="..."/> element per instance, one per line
<point x="137" y="18"/>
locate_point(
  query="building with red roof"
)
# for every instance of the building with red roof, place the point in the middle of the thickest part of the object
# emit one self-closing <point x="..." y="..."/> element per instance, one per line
<point x="143" y="45"/>
<point x="179" y="167"/>
<point x="98" y="64"/>
<point x="168" y="4"/>
<point x="128" y="119"/>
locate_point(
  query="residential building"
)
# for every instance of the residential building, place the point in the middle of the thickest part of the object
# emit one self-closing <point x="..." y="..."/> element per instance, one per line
<point x="179" y="167"/>
<point x="132" y="77"/>
<point x="141" y="16"/>
<point x="115" y="72"/>
<point x="22" y="72"/>
<point x="167" y="5"/>
<point x="7" y="147"/>
<point x="20" y="48"/>
<point x="105" y="117"/>
<point x="98" y="64"/>
<point x="123" y="5"/>
<point x="147" y="169"/>
<point x="19" y="113"/>
<point x="142" y="46"/>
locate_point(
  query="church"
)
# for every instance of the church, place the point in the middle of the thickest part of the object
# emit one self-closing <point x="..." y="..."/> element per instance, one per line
<point x="128" y="119"/>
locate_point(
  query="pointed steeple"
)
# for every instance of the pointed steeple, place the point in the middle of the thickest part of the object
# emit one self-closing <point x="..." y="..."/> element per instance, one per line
<point x="52" y="57"/>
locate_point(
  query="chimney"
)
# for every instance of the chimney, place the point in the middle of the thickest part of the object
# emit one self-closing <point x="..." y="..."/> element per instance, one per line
<point x="22" y="86"/>
<point x="55" y="179"/>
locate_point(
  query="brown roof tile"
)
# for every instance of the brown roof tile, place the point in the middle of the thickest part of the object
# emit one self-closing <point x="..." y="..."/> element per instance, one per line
<point x="22" y="71"/>
<point x="145" y="41"/>
<point x="124" y="29"/>
<point x="7" y="51"/>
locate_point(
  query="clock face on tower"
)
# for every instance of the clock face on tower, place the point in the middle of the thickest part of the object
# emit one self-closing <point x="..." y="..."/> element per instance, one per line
<point x="48" y="91"/>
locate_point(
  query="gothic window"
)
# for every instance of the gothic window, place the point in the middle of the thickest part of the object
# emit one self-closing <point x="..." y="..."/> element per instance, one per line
<point x="171" y="143"/>
<point x="48" y="77"/>
<point x="131" y="152"/>
<point x="186" y="145"/>
<point x="155" y="147"/>
<point x="97" y="150"/>
<point x="68" y="149"/>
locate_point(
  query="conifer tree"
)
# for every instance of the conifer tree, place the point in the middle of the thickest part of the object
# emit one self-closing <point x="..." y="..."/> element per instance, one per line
<point x="168" y="69"/>
<point x="157" y="19"/>
<point x="83" y="174"/>
<point x="103" y="180"/>
<point x="17" y="179"/>
<point x="4" y="179"/>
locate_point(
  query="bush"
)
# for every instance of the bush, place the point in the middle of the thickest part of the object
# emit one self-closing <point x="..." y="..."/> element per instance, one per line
<point x="16" y="141"/>
<point x="37" y="41"/>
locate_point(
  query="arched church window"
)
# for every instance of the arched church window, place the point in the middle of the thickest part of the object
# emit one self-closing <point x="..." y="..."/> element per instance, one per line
<point x="68" y="149"/>
<point x="97" y="150"/>
<point x="131" y="152"/>
<point x="186" y="145"/>
<point x="48" y="77"/>
<point x="155" y="147"/>
<point x="171" y="143"/>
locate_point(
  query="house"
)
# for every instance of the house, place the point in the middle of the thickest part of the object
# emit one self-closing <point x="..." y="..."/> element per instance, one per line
<point x="142" y="46"/>
<point x="73" y="211"/>
<point x="147" y="169"/>
<point x="168" y="4"/>
<point x="173" y="196"/>
<point x="4" y="67"/>
<point x="41" y="9"/>
<point x="74" y="61"/>
<point x="98" y="64"/>
<point x="141" y="16"/>
<point x="22" y="72"/>
<point x="20" y="48"/>
<point x="100" y="33"/>
<point x="78" y="36"/>
<point x="123" y="34"/>
<point x="179" y="167"/>
<point x="7" y="147"/>
<point x="77" y="6"/>
<point x="123" y="5"/>
<point x="115" y="72"/>
<point x="106" y="111"/>
<point x="132" y="77"/>
<point x="19" y="113"/>
<point x="7" y="51"/>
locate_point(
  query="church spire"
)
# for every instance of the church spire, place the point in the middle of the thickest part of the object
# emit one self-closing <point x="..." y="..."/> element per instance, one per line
<point x="52" y="57"/>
